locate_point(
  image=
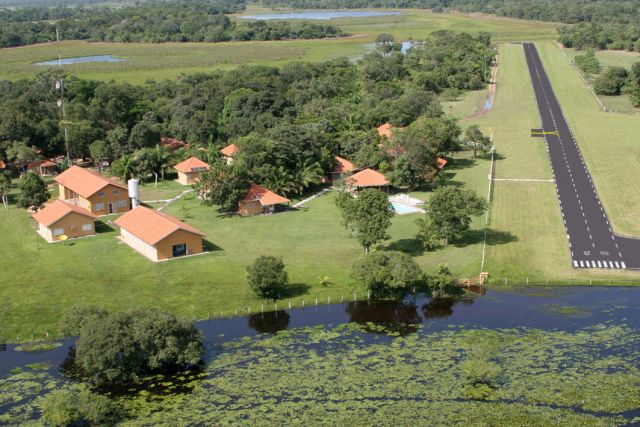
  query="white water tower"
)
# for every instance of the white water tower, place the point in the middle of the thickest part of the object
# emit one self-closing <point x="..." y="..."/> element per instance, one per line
<point x="132" y="184"/>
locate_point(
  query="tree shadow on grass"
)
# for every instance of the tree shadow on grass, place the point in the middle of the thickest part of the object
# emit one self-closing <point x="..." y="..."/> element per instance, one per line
<point x="294" y="289"/>
<point x="494" y="237"/>
<point x="411" y="247"/>
<point x="461" y="164"/>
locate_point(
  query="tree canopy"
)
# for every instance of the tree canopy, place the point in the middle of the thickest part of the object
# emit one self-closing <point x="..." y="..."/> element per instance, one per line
<point x="450" y="209"/>
<point x="125" y="347"/>
<point x="387" y="273"/>
<point x="367" y="217"/>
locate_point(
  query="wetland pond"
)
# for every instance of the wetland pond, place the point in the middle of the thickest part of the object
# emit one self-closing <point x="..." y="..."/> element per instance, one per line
<point x="80" y="60"/>
<point x="504" y="357"/>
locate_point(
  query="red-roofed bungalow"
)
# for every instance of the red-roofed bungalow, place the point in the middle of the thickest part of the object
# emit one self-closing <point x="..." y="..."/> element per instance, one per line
<point x="229" y="152"/>
<point x="342" y="168"/>
<point x="190" y="169"/>
<point x="260" y="200"/>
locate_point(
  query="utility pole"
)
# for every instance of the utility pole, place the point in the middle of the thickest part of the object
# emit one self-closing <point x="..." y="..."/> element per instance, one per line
<point x="60" y="88"/>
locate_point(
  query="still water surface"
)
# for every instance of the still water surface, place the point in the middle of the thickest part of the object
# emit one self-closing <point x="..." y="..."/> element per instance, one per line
<point x="547" y="308"/>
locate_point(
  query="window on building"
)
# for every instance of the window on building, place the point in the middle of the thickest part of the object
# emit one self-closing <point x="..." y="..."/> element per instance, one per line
<point x="121" y="203"/>
<point x="98" y="207"/>
<point x="100" y="193"/>
<point x="180" y="250"/>
<point x="116" y="192"/>
<point x="87" y="227"/>
<point x="58" y="231"/>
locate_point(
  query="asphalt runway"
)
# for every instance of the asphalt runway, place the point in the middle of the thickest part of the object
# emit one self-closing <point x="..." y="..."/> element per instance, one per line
<point x="592" y="242"/>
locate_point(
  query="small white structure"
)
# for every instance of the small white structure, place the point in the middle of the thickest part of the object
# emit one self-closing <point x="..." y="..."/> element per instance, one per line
<point x="405" y="199"/>
<point x="134" y="192"/>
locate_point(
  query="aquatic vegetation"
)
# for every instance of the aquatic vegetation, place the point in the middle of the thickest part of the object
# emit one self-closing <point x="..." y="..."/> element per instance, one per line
<point x="359" y="375"/>
<point x="39" y="346"/>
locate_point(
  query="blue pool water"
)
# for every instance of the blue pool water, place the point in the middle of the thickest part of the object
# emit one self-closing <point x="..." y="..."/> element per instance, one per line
<point x="82" y="60"/>
<point x="402" y="209"/>
<point x="324" y="16"/>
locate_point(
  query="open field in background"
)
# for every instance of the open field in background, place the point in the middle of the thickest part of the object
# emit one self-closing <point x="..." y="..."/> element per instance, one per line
<point x="169" y="60"/>
<point x="614" y="58"/>
<point x="608" y="142"/>
<point x="527" y="238"/>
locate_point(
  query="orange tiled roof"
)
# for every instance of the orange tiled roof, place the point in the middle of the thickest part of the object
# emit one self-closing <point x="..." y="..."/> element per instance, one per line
<point x="368" y="178"/>
<point x="2" y="165"/>
<point x="385" y="130"/>
<point x="85" y="182"/>
<point x="152" y="226"/>
<point x="192" y="164"/>
<point x="230" y="150"/>
<point x="343" y="165"/>
<point x="57" y="210"/>
<point x="173" y="143"/>
<point x="442" y="162"/>
<point x="266" y="197"/>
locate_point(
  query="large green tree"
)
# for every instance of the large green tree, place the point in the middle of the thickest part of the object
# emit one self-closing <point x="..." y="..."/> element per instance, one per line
<point x="33" y="191"/>
<point x="367" y="217"/>
<point x="125" y="347"/>
<point x="387" y="273"/>
<point x="223" y="186"/>
<point x="450" y="209"/>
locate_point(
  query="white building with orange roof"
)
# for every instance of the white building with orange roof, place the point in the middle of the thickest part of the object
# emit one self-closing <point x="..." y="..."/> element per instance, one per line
<point x="64" y="219"/>
<point x="229" y="152"/>
<point x="92" y="191"/>
<point x="190" y="169"/>
<point x="159" y="236"/>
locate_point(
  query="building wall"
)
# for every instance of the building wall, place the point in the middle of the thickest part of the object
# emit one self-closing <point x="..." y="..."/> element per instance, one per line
<point x="193" y="242"/>
<point x="187" y="178"/>
<point x="139" y="245"/>
<point x="250" y="208"/>
<point x="109" y="197"/>
<point x="71" y="225"/>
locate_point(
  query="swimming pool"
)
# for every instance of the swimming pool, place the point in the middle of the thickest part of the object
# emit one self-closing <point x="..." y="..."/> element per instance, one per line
<point x="402" y="209"/>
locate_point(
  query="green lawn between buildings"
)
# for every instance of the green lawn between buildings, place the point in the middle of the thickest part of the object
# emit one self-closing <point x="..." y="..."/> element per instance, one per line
<point x="169" y="60"/>
<point x="526" y="238"/>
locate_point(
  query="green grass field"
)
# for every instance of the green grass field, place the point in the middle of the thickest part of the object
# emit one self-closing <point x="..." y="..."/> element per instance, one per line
<point x="614" y="58"/>
<point x="169" y="60"/>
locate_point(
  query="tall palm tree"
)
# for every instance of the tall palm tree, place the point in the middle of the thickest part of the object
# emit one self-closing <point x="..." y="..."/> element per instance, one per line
<point x="281" y="181"/>
<point x="125" y="167"/>
<point x="162" y="159"/>
<point x="307" y="174"/>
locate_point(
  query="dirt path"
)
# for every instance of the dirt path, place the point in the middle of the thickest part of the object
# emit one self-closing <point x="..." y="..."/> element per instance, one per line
<point x="491" y="96"/>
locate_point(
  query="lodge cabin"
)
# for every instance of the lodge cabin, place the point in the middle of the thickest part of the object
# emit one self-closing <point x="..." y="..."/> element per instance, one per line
<point x="92" y="191"/>
<point x="159" y="236"/>
<point x="189" y="170"/>
<point x="64" y="219"/>
<point x="260" y="200"/>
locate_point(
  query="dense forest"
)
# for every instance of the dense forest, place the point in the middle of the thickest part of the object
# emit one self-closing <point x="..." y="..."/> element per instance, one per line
<point x="283" y="119"/>
<point x="610" y="24"/>
<point x="153" y="21"/>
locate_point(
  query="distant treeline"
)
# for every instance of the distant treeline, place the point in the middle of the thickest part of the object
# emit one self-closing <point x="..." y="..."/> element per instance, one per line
<point x="611" y="24"/>
<point x="283" y="117"/>
<point x="151" y="22"/>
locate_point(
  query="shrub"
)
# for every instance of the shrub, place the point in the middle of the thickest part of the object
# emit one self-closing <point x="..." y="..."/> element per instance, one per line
<point x="588" y="62"/>
<point x="267" y="276"/>
<point x="78" y="406"/>
<point x="75" y="318"/>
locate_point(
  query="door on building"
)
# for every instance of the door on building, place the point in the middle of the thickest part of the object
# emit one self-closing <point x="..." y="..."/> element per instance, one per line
<point x="113" y="208"/>
<point x="179" y="250"/>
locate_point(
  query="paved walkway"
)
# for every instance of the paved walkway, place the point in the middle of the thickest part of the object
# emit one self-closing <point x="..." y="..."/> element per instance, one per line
<point x="167" y="202"/>
<point x="308" y="199"/>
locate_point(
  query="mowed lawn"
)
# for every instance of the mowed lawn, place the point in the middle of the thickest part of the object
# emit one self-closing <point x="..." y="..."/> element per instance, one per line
<point x="527" y="239"/>
<point x="169" y="60"/>
<point x="40" y="280"/>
